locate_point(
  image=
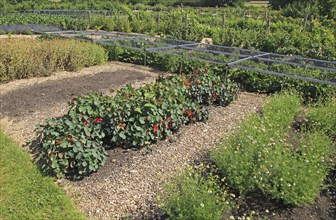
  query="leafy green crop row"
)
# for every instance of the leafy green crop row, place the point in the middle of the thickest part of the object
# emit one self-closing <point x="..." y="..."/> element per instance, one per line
<point x="73" y="145"/>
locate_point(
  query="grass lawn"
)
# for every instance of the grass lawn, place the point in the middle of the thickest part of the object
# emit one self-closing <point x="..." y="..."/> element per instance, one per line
<point x="25" y="193"/>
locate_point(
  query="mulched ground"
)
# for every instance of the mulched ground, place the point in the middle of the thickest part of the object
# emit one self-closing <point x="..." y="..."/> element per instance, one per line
<point x="31" y="99"/>
<point x="28" y="102"/>
<point x="129" y="182"/>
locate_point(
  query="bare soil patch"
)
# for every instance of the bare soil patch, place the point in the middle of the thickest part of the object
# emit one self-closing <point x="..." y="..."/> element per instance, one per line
<point x="260" y="206"/>
<point x="32" y="99"/>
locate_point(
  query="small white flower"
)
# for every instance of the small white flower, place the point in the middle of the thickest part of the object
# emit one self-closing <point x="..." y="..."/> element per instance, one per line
<point x="202" y="205"/>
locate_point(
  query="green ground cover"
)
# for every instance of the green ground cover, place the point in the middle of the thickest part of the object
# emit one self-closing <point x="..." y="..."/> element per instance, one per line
<point x="25" y="192"/>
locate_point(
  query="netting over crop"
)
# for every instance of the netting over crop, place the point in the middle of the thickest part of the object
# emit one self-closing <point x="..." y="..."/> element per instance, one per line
<point x="314" y="70"/>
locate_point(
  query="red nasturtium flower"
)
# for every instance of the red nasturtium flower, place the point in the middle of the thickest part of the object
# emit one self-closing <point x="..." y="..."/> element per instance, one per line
<point x="155" y="128"/>
<point x="70" y="139"/>
<point x="73" y="100"/>
<point x="196" y="71"/>
<point x="98" y="120"/>
<point x="58" y="142"/>
<point x="160" y="100"/>
<point x="160" y="122"/>
<point x="85" y="122"/>
<point x="169" y="119"/>
<point x="189" y="112"/>
<point x="214" y="95"/>
<point x="169" y="126"/>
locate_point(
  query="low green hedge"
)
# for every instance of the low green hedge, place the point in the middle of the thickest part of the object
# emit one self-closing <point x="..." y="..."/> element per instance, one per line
<point x="24" y="58"/>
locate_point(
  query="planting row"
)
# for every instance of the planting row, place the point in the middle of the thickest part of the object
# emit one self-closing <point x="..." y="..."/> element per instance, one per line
<point x="313" y="38"/>
<point x="75" y="144"/>
<point x="23" y="58"/>
<point x="250" y="81"/>
<point x="267" y="154"/>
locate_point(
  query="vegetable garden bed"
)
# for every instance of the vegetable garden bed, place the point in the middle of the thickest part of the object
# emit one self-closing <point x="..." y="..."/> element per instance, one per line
<point x="129" y="182"/>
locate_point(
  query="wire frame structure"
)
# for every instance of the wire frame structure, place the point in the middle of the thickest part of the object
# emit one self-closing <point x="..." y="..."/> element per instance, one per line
<point x="296" y="67"/>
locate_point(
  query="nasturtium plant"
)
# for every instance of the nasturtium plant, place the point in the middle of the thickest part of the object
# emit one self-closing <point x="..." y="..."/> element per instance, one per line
<point x="74" y="145"/>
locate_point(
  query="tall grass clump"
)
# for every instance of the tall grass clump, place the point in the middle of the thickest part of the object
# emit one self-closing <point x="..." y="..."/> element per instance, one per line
<point x="267" y="154"/>
<point x="24" y="58"/>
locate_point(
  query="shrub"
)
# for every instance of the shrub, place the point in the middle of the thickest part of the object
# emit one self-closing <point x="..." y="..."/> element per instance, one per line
<point x="295" y="173"/>
<point x="23" y="58"/>
<point x="131" y="119"/>
<point x="192" y="195"/>
<point x="266" y="154"/>
<point x="210" y="88"/>
<point x="72" y="146"/>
